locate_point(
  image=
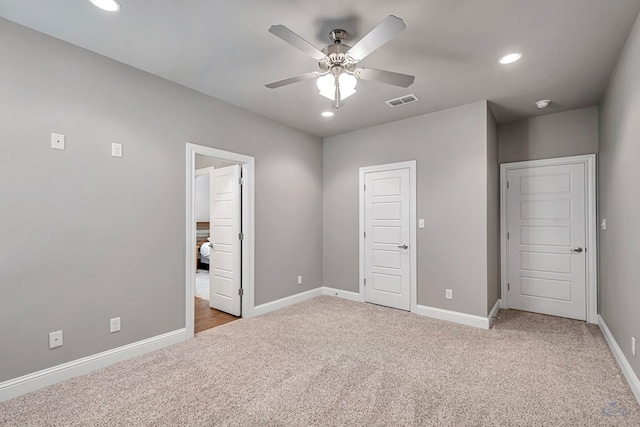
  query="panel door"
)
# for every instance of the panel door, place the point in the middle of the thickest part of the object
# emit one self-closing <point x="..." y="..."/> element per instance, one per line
<point x="546" y="243"/>
<point x="387" y="216"/>
<point x="224" y="266"/>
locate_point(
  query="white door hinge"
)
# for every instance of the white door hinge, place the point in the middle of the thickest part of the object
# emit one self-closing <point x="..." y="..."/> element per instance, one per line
<point x="507" y="184"/>
<point x="365" y="187"/>
<point x="507" y="235"/>
<point x="240" y="292"/>
<point x="365" y="234"/>
<point x="241" y="180"/>
<point x="241" y="236"/>
<point x="365" y="282"/>
<point x="508" y="286"/>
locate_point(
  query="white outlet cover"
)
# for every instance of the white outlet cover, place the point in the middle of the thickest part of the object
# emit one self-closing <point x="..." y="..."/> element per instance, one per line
<point x="114" y="325"/>
<point x="299" y="280"/>
<point x="57" y="141"/>
<point x="448" y="293"/>
<point x="421" y="223"/>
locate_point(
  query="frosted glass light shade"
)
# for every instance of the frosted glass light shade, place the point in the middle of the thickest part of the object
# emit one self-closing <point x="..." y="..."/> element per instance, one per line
<point x="327" y="86"/>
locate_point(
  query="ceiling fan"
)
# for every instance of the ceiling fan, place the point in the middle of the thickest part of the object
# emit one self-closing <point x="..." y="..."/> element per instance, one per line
<point x="338" y="62"/>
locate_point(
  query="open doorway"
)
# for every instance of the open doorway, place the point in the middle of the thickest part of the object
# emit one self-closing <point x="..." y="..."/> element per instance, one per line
<point x="219" y="237"/>
<point x="211" y="307"/>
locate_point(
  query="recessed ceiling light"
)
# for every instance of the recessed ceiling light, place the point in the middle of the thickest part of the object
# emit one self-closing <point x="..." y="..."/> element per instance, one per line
<point x="108" y="5"/>
<point x="510" y="58"/>
<point x="543" y="103"/>
<point x="327" y="114"/>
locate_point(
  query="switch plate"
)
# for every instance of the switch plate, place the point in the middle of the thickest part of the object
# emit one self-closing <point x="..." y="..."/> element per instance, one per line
<point x="603" y="224"/>
<point x="448" y="293"/>
<point x="55" y="339"/>
<point x="299" y="280"/>
<point x="114" y="325"/>
<point x="633" y="346"/>
<point x="421" y="223"/>
<point x="116" y="149"/>
<point x="57" y="141"/>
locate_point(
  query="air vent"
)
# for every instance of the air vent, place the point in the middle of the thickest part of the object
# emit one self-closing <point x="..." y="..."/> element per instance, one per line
<point x="407" y="99"/>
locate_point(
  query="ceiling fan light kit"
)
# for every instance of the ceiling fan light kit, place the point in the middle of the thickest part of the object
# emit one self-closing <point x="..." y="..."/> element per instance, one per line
<point x="339" y="72"/>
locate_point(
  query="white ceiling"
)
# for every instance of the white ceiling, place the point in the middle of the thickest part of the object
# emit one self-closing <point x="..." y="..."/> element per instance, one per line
<point x="222" y="48"/>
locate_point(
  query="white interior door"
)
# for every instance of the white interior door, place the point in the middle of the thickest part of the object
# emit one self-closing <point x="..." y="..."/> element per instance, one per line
<point x="547" y="240"/>
<point x="387" y="228"/>
<point x="224" y="266"/>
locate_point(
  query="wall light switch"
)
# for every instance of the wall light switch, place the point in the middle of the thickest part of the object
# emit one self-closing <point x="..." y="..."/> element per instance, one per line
<point x="57" y="141"/>
<point x="603" y="224"/>
<point x="116" y="150"/>
<point x="633" y="346"/>
<point x="448" y="293"/>
<point x="421" y="223"/>
<point x="299" y="280"/>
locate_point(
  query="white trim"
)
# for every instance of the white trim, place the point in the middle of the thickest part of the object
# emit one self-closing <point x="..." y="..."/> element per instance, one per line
<point x="589" y="162"/>
<point x="493" y="313"/>
<point x="625" y="367"/>
<point x="286" y="301"/>
<point x="46" y="377"/>
<point x="248" y="228"/>
<point x="351" y="296"/>
<point x="453" y="316"/>
<point x="413" y="270"/>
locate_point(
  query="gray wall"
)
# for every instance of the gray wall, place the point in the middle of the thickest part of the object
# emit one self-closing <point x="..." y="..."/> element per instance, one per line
<point x="619" y="199"/>
<point x="86" y="237"/>
<point x="493" y="213"/>
<point x="570" y="133"/>
<point x="450" y="148"/>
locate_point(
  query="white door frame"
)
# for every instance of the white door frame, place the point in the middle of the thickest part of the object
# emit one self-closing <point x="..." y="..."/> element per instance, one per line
<point x="589" y="162"/>
<point x="413" y="284"/>
<point x="248" y="228"/>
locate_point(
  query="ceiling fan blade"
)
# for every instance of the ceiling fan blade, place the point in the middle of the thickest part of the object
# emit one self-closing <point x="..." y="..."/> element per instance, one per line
<point x="291" y="80"/>
<point x="292" y="38"/>
<point x="388" y="77"/>
<point x="390" y="27"/>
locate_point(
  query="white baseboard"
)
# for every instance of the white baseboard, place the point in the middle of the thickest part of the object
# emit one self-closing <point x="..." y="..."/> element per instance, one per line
<point x="351" y="296"/>
<point x="626" y="368"/>
<point x="284" y="302"/>
<point x="453" y="316"/>
<point x="46" y="377"/>
<point x="494" y="312"/>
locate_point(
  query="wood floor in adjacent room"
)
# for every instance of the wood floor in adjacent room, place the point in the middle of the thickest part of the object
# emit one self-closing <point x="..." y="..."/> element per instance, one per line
<point x="207" y="317"/>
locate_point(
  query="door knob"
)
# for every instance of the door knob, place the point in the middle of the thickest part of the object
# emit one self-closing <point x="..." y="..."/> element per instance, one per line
<point x="403" y="247"/>
<point x="578" y="250"/>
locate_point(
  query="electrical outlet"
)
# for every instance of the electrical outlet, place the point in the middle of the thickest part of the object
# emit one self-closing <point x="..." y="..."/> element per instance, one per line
<point x="114" y="325"/>
<point x="448" y="293"/>
<point x="633" y="346"/>
<point x="299" y="280"/>
<point x="55" y="339"/>
<point x="57" y="141"/>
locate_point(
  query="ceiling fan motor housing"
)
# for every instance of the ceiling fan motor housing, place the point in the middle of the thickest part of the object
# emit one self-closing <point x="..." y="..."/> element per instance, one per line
<point x="336" y="55"/>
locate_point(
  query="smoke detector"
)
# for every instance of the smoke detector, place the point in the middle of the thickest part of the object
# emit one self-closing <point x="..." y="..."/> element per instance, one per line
<point x="543" y="103"/>
<point x="407" y="99"/>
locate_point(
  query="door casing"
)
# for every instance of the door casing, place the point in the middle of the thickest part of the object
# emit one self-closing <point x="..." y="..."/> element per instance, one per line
<point x="248" y="228"/>
<point x="589" y="162"/>
<point x="413" y="247"/>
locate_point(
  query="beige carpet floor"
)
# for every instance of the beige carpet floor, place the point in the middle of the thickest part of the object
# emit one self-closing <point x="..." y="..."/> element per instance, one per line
<point x="331" y="362"/>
